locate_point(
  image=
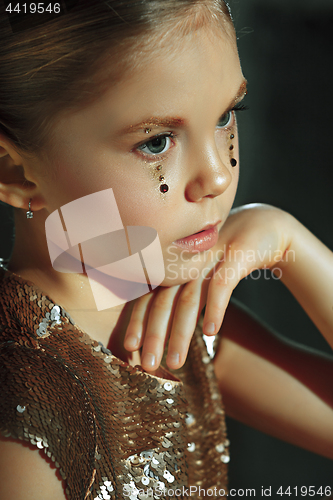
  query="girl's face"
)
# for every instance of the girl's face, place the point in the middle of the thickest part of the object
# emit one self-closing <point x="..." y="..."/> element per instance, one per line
<point x="184" y="96"/>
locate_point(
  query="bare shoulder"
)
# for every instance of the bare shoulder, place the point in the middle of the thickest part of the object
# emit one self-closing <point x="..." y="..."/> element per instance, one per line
<point x="25" y="474"/>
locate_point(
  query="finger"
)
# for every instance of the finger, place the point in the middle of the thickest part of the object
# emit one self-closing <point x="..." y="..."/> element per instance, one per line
<point x="157" y="328"/>
<point x="188" y="308"/>
<point x="134" y="333"/>
<point x="226" y="278"/>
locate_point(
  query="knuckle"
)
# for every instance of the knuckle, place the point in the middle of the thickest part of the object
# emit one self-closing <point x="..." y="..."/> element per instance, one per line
<point x="162" y="302"/>
<point x="220" y="279"/>
<point x="188" y="298"/>
<point x="152" y="337"/>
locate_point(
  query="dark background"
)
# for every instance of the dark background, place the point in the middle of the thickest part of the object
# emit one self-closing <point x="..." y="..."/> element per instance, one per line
<point x="286" y="160"/>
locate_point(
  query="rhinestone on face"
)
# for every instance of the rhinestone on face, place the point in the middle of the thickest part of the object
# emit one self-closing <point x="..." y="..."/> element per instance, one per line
<point x="164" y="188"/>
<point x="20" y="408"/>
<point x="232" y="136"/>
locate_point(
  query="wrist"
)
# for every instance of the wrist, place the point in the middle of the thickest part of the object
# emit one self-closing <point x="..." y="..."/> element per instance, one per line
<point x="289" y="230"/>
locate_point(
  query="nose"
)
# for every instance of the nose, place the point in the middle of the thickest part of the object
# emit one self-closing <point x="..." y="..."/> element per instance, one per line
<point x="209" y="175"/>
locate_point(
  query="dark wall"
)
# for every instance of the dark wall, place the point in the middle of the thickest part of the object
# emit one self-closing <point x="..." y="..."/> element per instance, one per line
<point x="286" y="160"/>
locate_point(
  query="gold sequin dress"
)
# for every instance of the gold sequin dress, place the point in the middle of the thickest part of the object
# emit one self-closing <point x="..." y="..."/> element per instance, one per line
<point x="113" y="430"/>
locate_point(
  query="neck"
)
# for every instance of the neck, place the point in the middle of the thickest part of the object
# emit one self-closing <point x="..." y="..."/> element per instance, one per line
<point x="30" y="260"/>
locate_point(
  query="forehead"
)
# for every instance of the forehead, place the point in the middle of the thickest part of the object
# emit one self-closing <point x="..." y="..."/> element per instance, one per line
<point x="172" y="42"/>
<point x="163" y="53"/>
<point x="179" y="62"/>
<point x="168" y="39"/>
<point x="188" y="77"/>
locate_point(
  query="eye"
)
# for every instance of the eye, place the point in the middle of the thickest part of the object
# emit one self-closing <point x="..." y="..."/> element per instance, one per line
<point x="225" y="120"/>
<point x="156" y="146"/>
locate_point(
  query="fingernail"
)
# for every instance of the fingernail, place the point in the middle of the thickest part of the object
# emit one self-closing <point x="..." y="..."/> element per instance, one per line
<point x="174" y="358"/>
<point x="132" y="342"/>
<point x="209" y="328"/>
<point x="149" y="360"/>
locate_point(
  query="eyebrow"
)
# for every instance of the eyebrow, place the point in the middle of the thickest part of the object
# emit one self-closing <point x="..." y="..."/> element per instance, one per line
<point x="157" y="121"/>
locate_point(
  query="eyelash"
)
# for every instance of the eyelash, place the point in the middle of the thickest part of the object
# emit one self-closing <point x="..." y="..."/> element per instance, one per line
<point x="172" y="135"/>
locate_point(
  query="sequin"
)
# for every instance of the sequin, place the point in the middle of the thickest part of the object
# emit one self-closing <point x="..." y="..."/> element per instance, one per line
<point x="168" y="476"/>
<point x="105" y="425"/>
<point x="189" y="420"/>
<point x="191" y="447"/>
<point x="209" y="342"/>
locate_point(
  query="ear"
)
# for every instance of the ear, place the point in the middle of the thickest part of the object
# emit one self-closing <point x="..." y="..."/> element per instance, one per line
<point x="18" y="184"/>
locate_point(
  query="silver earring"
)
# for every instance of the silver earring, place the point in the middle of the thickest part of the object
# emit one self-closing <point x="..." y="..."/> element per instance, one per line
<point x="30" y="213"/>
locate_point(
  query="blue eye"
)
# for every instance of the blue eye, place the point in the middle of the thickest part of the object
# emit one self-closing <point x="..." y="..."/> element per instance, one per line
<point x="225" y="120"/>
<point x="156" y="146"/>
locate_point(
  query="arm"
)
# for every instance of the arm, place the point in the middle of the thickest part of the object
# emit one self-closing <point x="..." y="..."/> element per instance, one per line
<point x="26" y="475"/>
<point x="273" y="385"/>
<point x="260" y="236"/>
<point x="307" y="270"/>
<point x="253" y="237"/>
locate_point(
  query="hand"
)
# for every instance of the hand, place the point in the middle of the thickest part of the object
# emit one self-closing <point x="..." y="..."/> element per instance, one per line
<point x="166" y="312"/>
<point x="253" y="237"/>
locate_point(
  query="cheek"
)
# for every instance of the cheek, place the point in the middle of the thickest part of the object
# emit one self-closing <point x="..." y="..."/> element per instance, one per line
<point x="79" y="174"/>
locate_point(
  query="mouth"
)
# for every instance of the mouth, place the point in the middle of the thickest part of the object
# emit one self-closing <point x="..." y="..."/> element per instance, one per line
<point x="201" y="241"/>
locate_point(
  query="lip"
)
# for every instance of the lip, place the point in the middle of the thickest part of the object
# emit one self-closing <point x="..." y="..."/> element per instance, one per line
<point x="204" y="240"/>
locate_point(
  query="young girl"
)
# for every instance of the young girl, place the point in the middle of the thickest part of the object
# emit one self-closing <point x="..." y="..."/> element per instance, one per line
<point x="140" y="98"/>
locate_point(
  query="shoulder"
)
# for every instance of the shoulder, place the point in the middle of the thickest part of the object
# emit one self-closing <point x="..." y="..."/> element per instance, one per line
<point x="26" y="475"/>
<point x="42" y="405"/>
